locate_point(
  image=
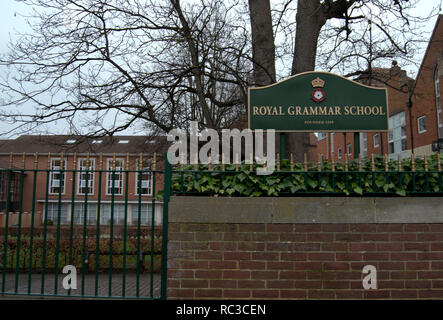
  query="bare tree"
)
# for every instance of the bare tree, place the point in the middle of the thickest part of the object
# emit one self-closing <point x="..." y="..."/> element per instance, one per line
<point x="343" y="30"/>
<point x="104" y="65"/>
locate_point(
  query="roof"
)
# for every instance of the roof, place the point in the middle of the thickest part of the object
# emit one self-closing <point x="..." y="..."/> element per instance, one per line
<point x="82" y="144"/>
<point x="432" y="41"/>
<point x="379" y="77"/>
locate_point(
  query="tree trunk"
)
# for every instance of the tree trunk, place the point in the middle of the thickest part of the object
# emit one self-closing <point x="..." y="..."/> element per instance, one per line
<point x="310" y="19"/>
<point x="263" y="47"/>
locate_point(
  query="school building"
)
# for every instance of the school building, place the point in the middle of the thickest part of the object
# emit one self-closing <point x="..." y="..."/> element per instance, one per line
<point x="415" y="117"/>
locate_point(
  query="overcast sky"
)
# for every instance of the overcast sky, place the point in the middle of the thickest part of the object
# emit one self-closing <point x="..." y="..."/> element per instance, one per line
<point x="12" y="21"/>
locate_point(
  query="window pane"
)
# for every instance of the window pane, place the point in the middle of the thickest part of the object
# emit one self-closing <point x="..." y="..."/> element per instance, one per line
<point x="56" y="178"/>
<point x="114" y="178"/>
<point x="403" y="131"/>
<point x="421" y="124"/>
<point x="403" y="144"/>
<point x="146" y="179"/>
<point x="119" y="214"/>
<point x="53" y="212"/>
<point x="91" y="215"/>
<point x="145" y="214"/>
<point x="84" y="176"/>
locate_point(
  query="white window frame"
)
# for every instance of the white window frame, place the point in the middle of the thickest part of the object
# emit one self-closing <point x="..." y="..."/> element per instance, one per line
<point x="339" y="153"/>
<point x="118" y="172"/>
<point x="146" y="166"/>
<point x="52" y="212"/>
<point x="364" y="144"/>
<point x="349" y="149"/>
<point x="119" y="212"/>
<point x="145" y="208"/>
<point x="418" y="124"/>
<point x="91" y="212"/>
<point x="403" y="137"/>
<point x="91" y="174"/>
<point x="52" y="174"/>
<point x="375" y="141"/>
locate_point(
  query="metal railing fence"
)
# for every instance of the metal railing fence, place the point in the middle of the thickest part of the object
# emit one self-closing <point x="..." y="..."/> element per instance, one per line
<point x="108" y="223"/>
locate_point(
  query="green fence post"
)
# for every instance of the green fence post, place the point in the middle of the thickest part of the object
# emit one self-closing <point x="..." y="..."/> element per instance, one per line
<point x="5" y="243"/>
<point x="31" y="240"/>
<point x="167" y="194"/>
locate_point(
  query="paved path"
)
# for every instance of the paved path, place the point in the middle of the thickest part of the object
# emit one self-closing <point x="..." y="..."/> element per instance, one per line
<point x="89" y="285"/>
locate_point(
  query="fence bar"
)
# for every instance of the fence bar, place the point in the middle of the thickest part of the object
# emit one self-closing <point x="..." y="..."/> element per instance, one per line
<point x="17" y="266"/>
<point x="125" y="226"/>
<point x="45" y="221"/>
<point x="111" y="235"/>
<point x="85" y="220"/>
<point x="8" y="204"/>
<point x="97" y="236"/>
<point x="152" y="233"/>
<point x="139" y="191"/>
<point x="167" y="188"/>
<point x="71" y="222"/>
<point x="31" y="238"/>
<point x="61" y="183"/>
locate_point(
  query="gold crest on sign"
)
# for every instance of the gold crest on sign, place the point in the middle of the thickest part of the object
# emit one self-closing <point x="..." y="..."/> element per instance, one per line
<point x="318" y="83"/>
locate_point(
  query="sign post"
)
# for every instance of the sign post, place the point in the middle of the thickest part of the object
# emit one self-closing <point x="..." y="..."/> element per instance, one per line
<point x="282" y="145"/>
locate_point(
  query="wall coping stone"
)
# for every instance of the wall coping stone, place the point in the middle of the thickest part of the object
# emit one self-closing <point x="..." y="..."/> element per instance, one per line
<point x="306" y="209"/>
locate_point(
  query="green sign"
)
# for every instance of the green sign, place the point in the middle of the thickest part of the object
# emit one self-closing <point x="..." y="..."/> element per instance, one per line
<point x="318" y="101"/>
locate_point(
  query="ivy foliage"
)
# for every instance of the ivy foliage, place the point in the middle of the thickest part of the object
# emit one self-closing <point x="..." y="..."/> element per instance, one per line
<point x="287" y="182"/>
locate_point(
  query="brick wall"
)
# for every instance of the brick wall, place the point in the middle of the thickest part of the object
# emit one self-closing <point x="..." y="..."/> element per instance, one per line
<point x="216" y="260"/>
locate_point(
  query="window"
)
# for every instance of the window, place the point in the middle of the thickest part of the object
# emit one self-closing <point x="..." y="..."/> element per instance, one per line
<point x="339" y="153"/>
<point x="53" y="212"/>
<point x="79" y="213"/>
<point x="146" y="179"/>
<point x="114" y="177"/>
<point x="376" y="140"/>
<point x="86" y="176"/>
<point x="145" y="214"/>
<point x="397" y="135"/>
<point x="57" y="177"/>
<point x="349" y="149"/>
<point x="118" y="212"/>
<point x="421" y="124"/>
<point x="364" y="137"/>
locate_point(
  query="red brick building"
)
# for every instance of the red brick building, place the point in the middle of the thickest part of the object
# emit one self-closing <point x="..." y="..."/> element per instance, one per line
<point x="415" y="117"/>
<point x="64" y="154"/>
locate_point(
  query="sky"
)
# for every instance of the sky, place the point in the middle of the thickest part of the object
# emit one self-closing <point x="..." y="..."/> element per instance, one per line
<point x="12" y="22"/>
